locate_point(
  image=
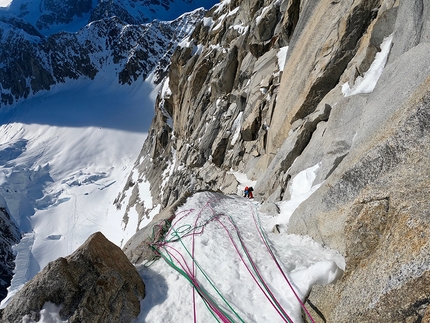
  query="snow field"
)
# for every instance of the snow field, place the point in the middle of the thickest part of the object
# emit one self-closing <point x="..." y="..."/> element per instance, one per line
<point x="69" y="152"/>
<point x="301" y="188"/>
<point x="209" y="225"/>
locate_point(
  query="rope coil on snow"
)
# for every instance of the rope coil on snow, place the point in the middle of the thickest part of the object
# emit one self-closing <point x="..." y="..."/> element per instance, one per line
<point x="165" y="234"/>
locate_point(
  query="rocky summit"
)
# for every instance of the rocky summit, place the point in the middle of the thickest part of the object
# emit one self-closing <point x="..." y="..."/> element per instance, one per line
<point x="271" y="88"/>
<point x="96" y="283"/>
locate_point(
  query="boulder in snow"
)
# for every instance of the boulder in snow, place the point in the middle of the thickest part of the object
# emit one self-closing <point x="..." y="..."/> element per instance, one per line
<point x="96" y="283"/>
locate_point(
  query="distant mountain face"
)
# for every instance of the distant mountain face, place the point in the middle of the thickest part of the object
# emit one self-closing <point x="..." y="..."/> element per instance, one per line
<point x="50" y="16"/>
<point x="32" y="62"/>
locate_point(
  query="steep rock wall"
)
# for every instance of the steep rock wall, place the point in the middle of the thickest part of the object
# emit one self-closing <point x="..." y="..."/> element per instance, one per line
<point x="211" y="115"/>
<point x="231" y="104"/>
<point x="372" y="207"/>
<point x="220" y="110"/>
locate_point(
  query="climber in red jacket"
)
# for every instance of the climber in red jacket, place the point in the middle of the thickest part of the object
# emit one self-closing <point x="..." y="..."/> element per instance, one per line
<point x="250" y="190"/>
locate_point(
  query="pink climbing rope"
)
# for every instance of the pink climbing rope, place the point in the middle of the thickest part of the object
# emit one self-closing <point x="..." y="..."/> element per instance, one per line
<point x="191" y="271"/>
<point x="253" y="277"/>
<point x="279" y="267"/>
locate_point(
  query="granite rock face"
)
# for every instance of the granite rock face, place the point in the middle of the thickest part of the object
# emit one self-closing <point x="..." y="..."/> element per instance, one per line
<point x="96" y="283"/>
<point x="352" y="97"/>
<point x="215" y="107"/>
<point x="373" y="209"/>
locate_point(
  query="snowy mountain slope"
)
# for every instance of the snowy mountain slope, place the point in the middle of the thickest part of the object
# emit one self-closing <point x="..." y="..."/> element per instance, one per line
<point x="70" y="151"/>
<point x="52" y="16"/>
<point x="32" y="62"/>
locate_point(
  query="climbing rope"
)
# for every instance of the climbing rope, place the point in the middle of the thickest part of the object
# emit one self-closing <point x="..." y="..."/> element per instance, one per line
<point x="189" y="273"/>
<point x="265" y="240"/>
<point x="165" y="234"/>
<point x="255" y="274"/>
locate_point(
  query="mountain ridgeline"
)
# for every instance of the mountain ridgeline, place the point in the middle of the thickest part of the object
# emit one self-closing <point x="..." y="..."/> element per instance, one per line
<point x="234" y="102"/>
<point x="33" y="62"/>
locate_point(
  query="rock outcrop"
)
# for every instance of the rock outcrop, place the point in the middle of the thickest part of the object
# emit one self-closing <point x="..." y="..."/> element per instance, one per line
<point x="138" y="247"/>
<point x="353" y="97"/>
<point x="96" y="283"/>
<point x="9" y="236"/>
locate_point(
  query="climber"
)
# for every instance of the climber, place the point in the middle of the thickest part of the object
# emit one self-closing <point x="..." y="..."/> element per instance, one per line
<point x="245" y="192"/>
<point x="250" y="190"/>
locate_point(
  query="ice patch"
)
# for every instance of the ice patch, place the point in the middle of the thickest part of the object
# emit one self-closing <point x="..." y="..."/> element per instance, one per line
<point x="235" y="129"/>
<point x="367" y="83"/>
<point x="301" y="188"/>
<point x="282" y="56"/>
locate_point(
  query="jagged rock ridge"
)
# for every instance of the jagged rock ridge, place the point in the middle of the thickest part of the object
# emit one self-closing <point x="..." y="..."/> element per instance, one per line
<point x="50" y="15"/>
<point x="9" y="236"/>
<point x="218" y="91"/>
<point x="32" y="62"/>
<point x="231" y="104"/>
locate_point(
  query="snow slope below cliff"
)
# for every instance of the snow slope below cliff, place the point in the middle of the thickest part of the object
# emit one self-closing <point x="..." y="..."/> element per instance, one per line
<point x="64" y="156"/>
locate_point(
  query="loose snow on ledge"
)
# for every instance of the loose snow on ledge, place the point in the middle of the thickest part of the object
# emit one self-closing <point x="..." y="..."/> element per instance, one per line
<point x="282" y="56"/>
<point x="301" y="188"/>
<point x="50" y="313"/>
